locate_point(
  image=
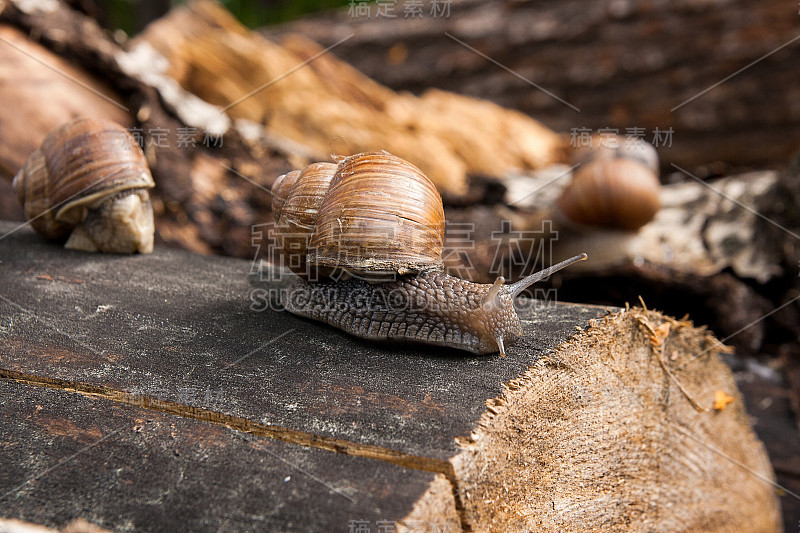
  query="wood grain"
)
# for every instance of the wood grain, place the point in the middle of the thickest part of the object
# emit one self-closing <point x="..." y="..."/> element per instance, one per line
<point x="93" y="343"/>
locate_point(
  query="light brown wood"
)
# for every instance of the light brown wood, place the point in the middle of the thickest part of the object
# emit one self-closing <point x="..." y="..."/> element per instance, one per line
<point x="304" y="94"/>
<point x="616" y="430"/>
<point x="43" y="91"/>
<point x="719" y="74"/>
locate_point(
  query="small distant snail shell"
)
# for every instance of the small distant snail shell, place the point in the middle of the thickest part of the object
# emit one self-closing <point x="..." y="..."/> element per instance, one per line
<point x="374" y="214"/>
<point x="616" y="186"/>
<point x="88" y="183"/>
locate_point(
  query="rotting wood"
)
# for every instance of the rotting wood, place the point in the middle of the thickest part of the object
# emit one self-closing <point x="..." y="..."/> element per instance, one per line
<point x="700" y="230"/>
<point x="210" y="191"/>
<point x="172" y="335"/>
<point x="725" y="250"/>
<point x="47" y="91"/>
<point x="719" y="75"/>
<point x="331" y="107"/>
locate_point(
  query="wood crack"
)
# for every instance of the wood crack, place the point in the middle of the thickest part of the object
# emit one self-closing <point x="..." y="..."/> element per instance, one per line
<point x="237" y="423"/>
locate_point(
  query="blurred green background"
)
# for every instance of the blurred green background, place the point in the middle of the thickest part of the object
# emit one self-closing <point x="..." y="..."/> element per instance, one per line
<point x="133" y="15"/>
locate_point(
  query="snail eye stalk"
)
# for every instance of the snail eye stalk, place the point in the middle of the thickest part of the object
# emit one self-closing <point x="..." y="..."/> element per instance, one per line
<point x="521" y="285"/>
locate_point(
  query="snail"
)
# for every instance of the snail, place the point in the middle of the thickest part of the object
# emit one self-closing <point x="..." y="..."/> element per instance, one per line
<point x="616" y="186"/>
<point x="88" y="182"/>
<point x="364" y="238"/>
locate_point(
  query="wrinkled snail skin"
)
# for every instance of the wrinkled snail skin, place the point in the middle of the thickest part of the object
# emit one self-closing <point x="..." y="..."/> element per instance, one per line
<point x="375" y="215"/>
<point x="429" y="308"/>
<point x="88" y="183"/>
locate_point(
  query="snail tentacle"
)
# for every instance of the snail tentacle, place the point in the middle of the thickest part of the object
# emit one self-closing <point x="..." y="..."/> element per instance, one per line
<point x="519" y="286"/>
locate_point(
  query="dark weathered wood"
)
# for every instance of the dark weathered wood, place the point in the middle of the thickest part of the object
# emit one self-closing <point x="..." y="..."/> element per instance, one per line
<point x="180" y="327"/>
<point x="171" y="337"/>
<point x="768" y="405"/>
<point x="174" y="333"/>
<point x="68" y="456"/>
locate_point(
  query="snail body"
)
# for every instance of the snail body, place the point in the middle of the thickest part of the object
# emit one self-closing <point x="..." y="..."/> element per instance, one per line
<point x="371" y="258"/>
<point x="428" y="308"/>
<point x="88" y="183"/>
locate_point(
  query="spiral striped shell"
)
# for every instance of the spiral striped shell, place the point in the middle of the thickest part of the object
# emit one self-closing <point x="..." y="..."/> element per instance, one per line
<point x="77" y="166"/>
<point x="370" y="213"/>
<point x="616" y="186"/>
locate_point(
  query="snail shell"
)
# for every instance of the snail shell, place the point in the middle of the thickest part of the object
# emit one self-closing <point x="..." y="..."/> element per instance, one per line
<point x="295" y="204"/>
<point x="616" y="186"/>
<point x="372" y="214"/>
<point x="88" y="181"/>
<point x="376" y="213"/>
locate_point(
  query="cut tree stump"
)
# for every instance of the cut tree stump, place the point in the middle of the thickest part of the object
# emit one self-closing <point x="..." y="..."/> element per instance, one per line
<point x="147" y="393"/>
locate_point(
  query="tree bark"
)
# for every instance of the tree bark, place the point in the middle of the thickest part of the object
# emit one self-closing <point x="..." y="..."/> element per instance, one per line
<point x="718" y="74"/>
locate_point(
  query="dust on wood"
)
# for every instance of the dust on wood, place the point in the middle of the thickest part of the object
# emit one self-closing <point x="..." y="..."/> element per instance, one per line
<point x="595" y="420"/>
<point x="129" y="468"/>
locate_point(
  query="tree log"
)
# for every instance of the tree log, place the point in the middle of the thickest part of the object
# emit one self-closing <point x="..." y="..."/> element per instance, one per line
<point x="719" y="74"/>
<point x="209" y="191"/>
<point x="209" y="198"/>
<point x="179" y="405"/>
<point x="331" y="107"/>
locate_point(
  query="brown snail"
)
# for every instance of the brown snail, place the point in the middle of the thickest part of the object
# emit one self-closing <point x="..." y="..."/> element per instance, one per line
<point x="616" y="186"/>
<point x="88" y="183"/>
<point x="342" y="228"/>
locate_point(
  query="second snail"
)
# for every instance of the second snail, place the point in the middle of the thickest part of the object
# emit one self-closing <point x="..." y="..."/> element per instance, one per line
<point x="364" y="239"/>
<point x="87" y="184"/>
